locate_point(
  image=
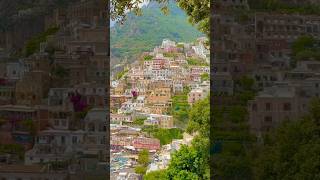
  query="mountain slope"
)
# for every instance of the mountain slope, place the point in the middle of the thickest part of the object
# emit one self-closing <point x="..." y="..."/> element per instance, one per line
<point x="143" y="33"/>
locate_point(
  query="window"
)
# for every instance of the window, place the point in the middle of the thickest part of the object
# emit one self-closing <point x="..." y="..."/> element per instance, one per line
<point x="268" y="106"/>
<point x="63" y="140"/>
<point x="287" y="107"/>
<point x="254" y="107"/>
<point x="56" y="122"/>
<point x="64" y="122"/>
<point x="74" y="139"/>
<point x="268" y="119"/>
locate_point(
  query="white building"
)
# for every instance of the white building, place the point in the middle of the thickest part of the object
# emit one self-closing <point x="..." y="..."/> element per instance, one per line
<point x="168" y="43"/>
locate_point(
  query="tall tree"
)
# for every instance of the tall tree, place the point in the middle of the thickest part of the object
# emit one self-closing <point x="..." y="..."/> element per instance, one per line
<point x="293" y="150"/>
<point x="197" y="10"/>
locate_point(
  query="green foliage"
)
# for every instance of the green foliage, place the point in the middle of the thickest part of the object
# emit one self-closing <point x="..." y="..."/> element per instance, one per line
<point x="306" y="48"/>
<point x="197" y="62"/>
<point x="205" y="77"/>
<point x="149" y="129"/>
<point x="231" y="167"/>
<point x="164" y="135"/>
<point x="15" y="149"/>
<point x="192" y="162"/>
<point x="246" y="83"/>
<point x="180" y="108"/>
<point x="199" y="118"/>
<point x="121" y="74"/>
<point x="167" y="135"/>
<point x="143" y="160"/>
<point x="60" y="71"/>
<point x="230" y="136"/>
<point x="139" y="121"/>
<point x="315" y="109"/>
<point x="30" y="125"/>
<point x="58" y="165"/>
<point x="173" y="55"/>
<point x="143" y="33"/>
<point x="159" y="175"/>
<point x="143" y="157"/>
<point x="282" y="7"/>
<point x="147" y="58"/>
<point x="302" y="43"/>
<point x="33" y="44"/>
<point x="244" y="90"/>
<point x="140" y="170"/>
<point x="292" y="152"/>
<point x="198" y="11"/>
<point x="238" y="114"/>
<point x="179" y="45"/>
<point x="187" y="163"/>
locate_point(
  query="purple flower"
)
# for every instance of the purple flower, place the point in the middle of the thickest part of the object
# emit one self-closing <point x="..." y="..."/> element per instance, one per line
<point x="134" y="93"/>
<point x="79" y="103"/>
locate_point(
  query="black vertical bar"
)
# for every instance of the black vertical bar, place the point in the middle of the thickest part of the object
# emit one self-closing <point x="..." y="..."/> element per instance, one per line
<point x="108" y="92"/>
<point x="212" y="71"/>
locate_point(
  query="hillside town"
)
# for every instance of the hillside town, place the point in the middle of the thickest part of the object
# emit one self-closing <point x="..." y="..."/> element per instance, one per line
<point x="260" y="46"/>
<point x="144" y="101"/>
<point x="53" y="97"/>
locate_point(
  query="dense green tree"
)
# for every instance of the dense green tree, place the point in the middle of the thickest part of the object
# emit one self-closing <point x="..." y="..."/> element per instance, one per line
<point x="159" y="175"/>
<point x="143" y="157"/>
<point x="281" y="6"/>
<point x="143" y="160"/>
<point x="139" y="121"/>
<point x="192" y="162"/>
<point x="238" y="114"/>
<point x="31" y="126"/>
<point x="315" y="109"/>
<point x="188" y="162"/>
<point x="167" y="135"/>
<point x="198" y="11"/>
<point x="180" y="108"/>
<point x="140" y="170"/>
<point x="205" y="77"/>
<point x="199" y="118"/>
<point x="33" y="45"/>
<point x="292" y="150"/>
<point x="164" y="135"/>
<point x="149" y="29"/>
<point x="60" y="71"/>
<point x="183" y="174"/>
<point x="302" y="43"/>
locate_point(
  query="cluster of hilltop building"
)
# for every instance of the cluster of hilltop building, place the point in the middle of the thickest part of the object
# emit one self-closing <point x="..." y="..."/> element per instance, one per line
<point x="149" y="85"/>
<point x="259" y="45"/>
<point x="145" y="92"/>
<point x="53" y="101"/>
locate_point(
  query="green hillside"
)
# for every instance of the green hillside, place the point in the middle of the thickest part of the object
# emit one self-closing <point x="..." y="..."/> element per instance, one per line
<point x="143" y="33"/>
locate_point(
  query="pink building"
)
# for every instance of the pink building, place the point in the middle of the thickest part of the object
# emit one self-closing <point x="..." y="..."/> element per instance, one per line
<point x="196" y="95"/>
<point x="146" y="143"/>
